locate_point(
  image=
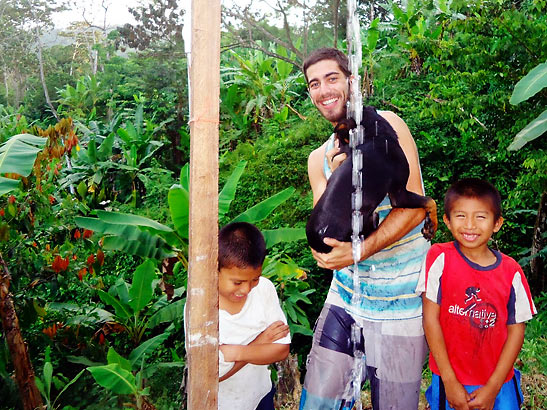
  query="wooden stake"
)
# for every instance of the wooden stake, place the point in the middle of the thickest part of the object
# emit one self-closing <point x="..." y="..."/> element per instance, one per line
<point x="202" y="310"/>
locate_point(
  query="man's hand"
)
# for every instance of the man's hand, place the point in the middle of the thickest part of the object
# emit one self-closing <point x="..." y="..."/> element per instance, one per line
<point x="456" y="395"/>
<point x="484" y="397"/>
<point x="339" y="257"/>
<point x="277" y="330"/>
<point x="334" y="160"/>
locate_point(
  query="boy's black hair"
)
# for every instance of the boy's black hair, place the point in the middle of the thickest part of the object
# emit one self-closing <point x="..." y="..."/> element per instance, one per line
<point x="327" y="53"/>
<point x="242" y="245"/>
<point x="473" y="188"/>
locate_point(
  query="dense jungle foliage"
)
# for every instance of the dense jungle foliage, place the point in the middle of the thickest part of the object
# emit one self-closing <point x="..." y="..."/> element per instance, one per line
<point x="94" y="190"/>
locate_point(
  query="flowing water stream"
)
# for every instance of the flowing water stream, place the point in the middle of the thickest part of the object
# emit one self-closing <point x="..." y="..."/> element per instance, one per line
<point x="355" y="111"/>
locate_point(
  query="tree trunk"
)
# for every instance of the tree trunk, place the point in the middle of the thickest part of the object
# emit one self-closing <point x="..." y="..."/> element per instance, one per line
<point x="537" y="264"/>
<point x="6" y="84"/>
<point x="335" y="7"/>
<point x="43" y="77"/>
<point x="24" y="374"/>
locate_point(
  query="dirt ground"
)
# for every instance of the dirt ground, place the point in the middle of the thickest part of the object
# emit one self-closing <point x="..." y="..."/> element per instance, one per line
<point x="365" y="397"/>
<point x="534" y="388"/>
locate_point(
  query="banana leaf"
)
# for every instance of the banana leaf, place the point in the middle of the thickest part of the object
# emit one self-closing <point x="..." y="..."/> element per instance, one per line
<point x="228" y="192"/>
<point x="533" y="130"/>
<point x="141" y="291"/>
<point x="275" y="236"/>
<point x="179" y="207"/>
<point x="113" y="357"/>
<point x="17" y="155"/>
<point x="147" y="347"/>
<point x="170" y="313"/>
<point x="261" y="210"/>
<point x="530" y="84"/>
<point x="114" y="377"/>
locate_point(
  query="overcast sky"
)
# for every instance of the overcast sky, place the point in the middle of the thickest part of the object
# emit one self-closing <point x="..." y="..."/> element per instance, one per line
<point x="117" y="13"/>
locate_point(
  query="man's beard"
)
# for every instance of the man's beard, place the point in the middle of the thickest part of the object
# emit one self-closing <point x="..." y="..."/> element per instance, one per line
<point x="337" y="116"/>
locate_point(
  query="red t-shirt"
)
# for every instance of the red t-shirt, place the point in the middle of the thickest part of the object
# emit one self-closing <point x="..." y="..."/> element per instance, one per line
<point x="476" y="305"/>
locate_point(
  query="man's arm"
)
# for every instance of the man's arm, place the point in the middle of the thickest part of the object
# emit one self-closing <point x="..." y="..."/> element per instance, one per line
<point x="318" y="181"/>
<point x="456" y="394"/>
<point x="485" y="396"/>
<point x="397" y="224"/>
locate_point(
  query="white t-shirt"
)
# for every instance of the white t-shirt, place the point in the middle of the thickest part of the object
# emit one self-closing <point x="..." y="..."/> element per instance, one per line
<point x="245" y="389"/>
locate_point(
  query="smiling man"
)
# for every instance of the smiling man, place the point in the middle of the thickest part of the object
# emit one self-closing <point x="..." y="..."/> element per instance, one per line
<point x="390" y="311"/>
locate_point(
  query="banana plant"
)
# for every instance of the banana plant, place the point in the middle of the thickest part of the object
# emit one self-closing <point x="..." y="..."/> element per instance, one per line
<point x="137" y="309"/>
<point x="528" y="86"/>
<point x="138" y="146"/>
<point x="133" y="307"/>
<point x="12" y="122"/>
<point x="80" y="101"/>
<point x="140" y="236"/>
<point x="265" y="85"/>
<point x="90" y="167"/>
<point x="48" y="379"/>
<point x="126" y="376"/>
<point x="17" y="157"/>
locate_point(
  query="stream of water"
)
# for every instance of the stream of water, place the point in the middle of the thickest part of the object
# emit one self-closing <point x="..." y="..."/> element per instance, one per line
<point x="355" y="111"/>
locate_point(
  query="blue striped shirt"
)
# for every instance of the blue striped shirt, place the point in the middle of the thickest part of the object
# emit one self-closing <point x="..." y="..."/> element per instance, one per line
<point x="387" y="280"/>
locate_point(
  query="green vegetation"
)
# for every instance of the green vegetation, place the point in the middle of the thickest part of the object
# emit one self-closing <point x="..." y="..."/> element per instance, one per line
<point x="94" y="178"/>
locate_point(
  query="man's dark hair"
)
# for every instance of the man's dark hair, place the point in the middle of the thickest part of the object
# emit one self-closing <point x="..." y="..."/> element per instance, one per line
<point x="242" y="245"/>
<point x="327" y="53"/>
<point x="473" y="188"/>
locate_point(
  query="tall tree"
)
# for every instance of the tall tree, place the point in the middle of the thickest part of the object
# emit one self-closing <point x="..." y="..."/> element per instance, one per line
<point x="258" y="23"/>
<point x="24" y="374"/>
<point x="298" y="26"/>
<point x="15" y="61"/>
<point x="37" y="15"/>
<point x="157" y="38"/>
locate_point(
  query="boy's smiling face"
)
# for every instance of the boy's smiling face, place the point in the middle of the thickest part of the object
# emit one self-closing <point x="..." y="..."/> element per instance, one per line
<point x="472" y="223"/>
<point x="234" y="284"/>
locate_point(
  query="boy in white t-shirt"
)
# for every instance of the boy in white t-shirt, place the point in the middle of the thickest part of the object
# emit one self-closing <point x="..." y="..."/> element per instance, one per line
<point x="253" y="330"/>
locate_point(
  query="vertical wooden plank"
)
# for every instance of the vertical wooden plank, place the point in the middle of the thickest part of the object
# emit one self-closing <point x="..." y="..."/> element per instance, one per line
<point x="202" y="326"/>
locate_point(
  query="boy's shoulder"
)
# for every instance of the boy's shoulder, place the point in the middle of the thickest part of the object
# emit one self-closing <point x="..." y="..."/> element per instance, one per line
<point x="264" y="289"/>
<point x="442" y="247"/>
<point x="508" y="259"/>
<point x="510" y="264"/>
<point x="265" y="283"/>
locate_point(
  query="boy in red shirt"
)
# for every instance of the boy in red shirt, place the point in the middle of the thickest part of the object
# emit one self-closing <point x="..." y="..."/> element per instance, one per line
<point x="475" y="303"/>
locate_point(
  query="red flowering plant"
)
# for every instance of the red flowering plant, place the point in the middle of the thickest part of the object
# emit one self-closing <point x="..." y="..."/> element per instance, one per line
<point x="46" y="254"/>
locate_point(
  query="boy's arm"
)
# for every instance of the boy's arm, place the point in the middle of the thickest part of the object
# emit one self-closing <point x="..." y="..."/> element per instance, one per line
<point x="256" y="354"/>
<point x="484" y="397"/>
<point x="456" y="395"/>
<point x="275" y="331"/>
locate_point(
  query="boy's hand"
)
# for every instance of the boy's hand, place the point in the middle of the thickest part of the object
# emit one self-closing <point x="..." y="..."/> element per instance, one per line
<point x="457" y="396"/>
<point x="277" y="330"/>
<point x="484" y="397"/>
<point x="230" y="352"/>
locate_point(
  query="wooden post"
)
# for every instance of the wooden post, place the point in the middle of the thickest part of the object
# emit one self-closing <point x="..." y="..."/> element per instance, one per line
<point x="202" y="326"/>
